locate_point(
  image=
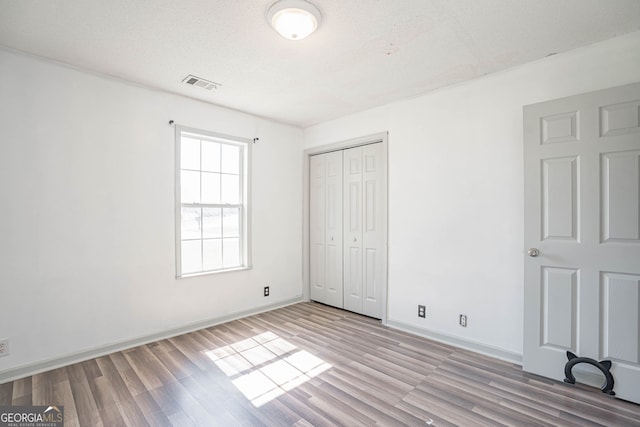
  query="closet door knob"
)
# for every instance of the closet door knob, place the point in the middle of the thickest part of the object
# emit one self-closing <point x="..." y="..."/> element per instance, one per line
<point x="533" y="252"/>
<point x="355" y="240"/>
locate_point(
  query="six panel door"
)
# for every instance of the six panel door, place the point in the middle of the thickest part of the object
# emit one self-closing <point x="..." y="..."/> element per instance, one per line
<point x="325" y="234"/>
<point x="317" y="284"/>
<point x="582" y="215"/>
<point x="333" y="228"/>
<point x="365" y="229"/>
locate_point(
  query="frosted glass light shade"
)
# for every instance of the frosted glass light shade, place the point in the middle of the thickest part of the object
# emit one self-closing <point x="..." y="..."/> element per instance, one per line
<point x="294" y="19"/>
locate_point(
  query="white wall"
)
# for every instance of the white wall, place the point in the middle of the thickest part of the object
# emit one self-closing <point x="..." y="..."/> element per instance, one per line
<point x="456" y="190"/>
<point x="87" y="215"/>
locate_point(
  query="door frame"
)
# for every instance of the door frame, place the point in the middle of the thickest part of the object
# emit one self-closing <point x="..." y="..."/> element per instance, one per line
<point x="382" y="138"/>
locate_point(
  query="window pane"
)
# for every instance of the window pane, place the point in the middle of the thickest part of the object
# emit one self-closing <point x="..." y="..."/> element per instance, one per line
<point x="212" y="223"/>
<point x="231" y="189"/>
<point x="231" y="222"/>
<point x="210" y="156"/>
<point x="190" y="153"/>
<point x="191" y="256"/>
<point x="230" y="159"/>
<point x="191" y="223"/>
<point x="190" y="186"/>
<point x="210" y="187"/>
<point x="212" y="250"/>
<point x="231" y="251"/>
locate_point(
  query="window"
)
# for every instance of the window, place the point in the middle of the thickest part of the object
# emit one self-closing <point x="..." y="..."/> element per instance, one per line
<point x="212" y="176"/>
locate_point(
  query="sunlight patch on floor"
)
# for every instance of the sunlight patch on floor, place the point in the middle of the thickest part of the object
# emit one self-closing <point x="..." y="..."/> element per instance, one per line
<point x="266" y="366"/>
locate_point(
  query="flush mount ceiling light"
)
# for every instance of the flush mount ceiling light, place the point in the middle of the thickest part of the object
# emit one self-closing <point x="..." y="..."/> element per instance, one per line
<point x="294" y="19"/>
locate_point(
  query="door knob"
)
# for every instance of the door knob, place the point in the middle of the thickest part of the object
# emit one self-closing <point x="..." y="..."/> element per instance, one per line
<point x="533" y="252"/>
<point x="355" y="240"/>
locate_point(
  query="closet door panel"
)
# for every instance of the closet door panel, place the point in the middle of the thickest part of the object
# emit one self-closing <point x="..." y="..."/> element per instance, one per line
<point x="353" y="229"/>
<point x="317" y="165"/>
<point x="374" y="229"/>
<point x="333" y="229"/>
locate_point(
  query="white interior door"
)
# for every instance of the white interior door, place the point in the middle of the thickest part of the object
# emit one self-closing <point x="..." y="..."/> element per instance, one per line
<point x="333" y="229"/>
<point x="325" y="234"/>
<point x="365" y="229"/>
<point x="317" y="166"/>
<point x="353" y="229"/>
<point x="582" y="201"/>
<point x="374" y="220"/>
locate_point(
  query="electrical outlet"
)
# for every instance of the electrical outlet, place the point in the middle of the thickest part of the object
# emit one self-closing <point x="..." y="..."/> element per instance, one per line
<point x="463" y="320"/>
<point x="4" y="347"/>
<point x="422" y="311"/>
<point x="266" y="291"/>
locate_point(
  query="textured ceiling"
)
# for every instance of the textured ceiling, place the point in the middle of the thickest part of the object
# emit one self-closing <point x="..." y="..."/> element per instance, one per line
<point x="365" y="53"/>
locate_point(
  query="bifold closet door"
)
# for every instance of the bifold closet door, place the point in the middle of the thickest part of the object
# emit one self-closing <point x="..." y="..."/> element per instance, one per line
<point x="364" y="229"/>
<point x="326" y="228"/>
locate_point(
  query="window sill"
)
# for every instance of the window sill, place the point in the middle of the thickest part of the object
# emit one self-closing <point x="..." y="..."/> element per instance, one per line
<point x="208" y="273"/>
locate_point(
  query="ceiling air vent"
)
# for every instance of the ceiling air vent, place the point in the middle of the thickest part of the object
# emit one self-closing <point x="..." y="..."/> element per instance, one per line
<point x="200" y="82"/>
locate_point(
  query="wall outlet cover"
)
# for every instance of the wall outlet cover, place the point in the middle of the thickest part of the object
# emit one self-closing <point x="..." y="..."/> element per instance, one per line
<point x="4" y="347"/>
<point x="463" y="320"/>
<point x="422" y="311"/>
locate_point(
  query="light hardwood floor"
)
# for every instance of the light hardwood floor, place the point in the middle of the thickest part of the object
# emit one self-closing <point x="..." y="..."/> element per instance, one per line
<point x="309" y="364"/>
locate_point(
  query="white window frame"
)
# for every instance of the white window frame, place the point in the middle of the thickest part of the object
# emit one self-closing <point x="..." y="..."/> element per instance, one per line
<point x="245" y="146"/>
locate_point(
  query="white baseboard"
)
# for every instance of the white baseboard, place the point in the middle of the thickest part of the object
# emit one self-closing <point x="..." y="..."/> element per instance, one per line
<point x="476" y="347"/>
<point x="69" y="359"/>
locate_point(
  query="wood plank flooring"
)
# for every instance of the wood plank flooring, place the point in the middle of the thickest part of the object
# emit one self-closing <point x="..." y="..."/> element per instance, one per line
<point x="309" y="364"/>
